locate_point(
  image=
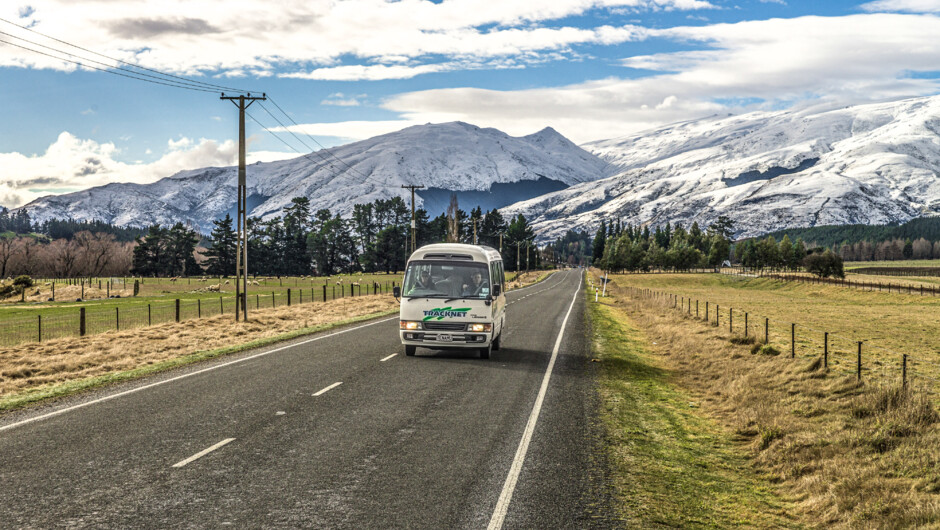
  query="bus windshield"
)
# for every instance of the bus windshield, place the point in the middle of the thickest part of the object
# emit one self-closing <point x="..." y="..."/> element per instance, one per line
<point x="445" y="279"/>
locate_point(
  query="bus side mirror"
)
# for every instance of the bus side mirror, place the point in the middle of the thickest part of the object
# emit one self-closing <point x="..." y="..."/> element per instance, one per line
<point x="496" y="290"/>
<point x="396" y="291"/>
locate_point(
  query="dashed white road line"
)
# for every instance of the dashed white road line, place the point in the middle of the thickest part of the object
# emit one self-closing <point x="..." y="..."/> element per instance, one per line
<point x="203" y="453"/>
<point x="327" y="389"/>
<point x="387" y="358"/>
<point x="190" y="374"/>
<point x="502" y="505"/>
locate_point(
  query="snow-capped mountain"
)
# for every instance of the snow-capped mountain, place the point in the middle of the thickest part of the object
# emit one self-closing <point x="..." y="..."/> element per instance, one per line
<point x="495" y="169"/>
<point x="871" y="163"/>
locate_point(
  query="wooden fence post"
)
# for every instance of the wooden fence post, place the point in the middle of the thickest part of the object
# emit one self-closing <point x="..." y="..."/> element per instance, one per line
<point x="731" y="320"/>
<point x="904" y="370"/>
<point x="199" y="308"/>
<point x="766" y="330"/>
<point x="288" y="297"/>
<point x="177" y="309"/>
<point x="81" y="322"/>
<point x="324" y="292"/>
<point x="792" y="340"/>
<point x="39" y="317"/>
<point x="859" y="363"/>
<point x="826" y="349"/>
<point x="745" y="325"/>
<point x="117" y="318"/>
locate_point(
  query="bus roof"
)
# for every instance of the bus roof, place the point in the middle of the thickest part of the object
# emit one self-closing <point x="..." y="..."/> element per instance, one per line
<point x="457" y="251"/>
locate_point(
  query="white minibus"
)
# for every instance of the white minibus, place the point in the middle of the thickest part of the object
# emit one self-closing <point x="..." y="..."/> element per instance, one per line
<point x="453" y="296"/>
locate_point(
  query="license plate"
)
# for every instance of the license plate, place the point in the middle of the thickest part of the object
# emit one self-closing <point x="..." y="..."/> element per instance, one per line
<point x="445" y="337"/>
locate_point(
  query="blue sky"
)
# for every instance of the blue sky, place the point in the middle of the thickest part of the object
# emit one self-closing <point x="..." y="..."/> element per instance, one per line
<point x="349" y="70"/>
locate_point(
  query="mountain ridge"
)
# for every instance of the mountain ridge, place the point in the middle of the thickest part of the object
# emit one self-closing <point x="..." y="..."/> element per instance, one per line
<point x="454" y="156"/>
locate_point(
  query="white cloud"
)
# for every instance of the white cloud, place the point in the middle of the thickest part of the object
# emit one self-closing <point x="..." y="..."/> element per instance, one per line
<point x="249" y="38"/>
<point x="780" y="61"/>
<point x="909" y="6"/>
<point x="70" y="164"/>
<point x="339" y="99"/>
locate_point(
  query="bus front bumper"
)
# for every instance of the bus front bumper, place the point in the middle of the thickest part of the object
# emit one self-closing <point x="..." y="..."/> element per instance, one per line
<point x="440" y="339"/>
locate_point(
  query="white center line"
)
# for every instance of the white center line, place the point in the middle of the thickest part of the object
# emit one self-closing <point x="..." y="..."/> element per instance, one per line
<point x="502" y="506"/>
<point x="203" y="453"/>
<point x="387" y="358"/>
<point x="327" y="389"/>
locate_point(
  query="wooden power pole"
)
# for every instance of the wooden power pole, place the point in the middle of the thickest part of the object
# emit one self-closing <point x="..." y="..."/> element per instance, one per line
<point x="413" y="188"/>
<point x="241" y="252"/>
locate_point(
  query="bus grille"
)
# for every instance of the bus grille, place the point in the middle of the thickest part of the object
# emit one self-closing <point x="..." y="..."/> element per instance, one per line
<point x="445" y="326"/>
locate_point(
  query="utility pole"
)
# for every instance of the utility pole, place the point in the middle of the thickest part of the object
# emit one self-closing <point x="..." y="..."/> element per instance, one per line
<point x="241" y="252"/>
<point x="413" y="188"/>
<point x="527" y="245"/>
<point x="474" y="230"/>
<point x="517" y="256"/>
<point x="500" y="242"/>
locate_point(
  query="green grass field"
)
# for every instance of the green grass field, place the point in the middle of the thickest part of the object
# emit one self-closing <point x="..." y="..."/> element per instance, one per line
<point x="888" y="324"/>
<point x="164" y="291"/>
<point x="902" y="263"/>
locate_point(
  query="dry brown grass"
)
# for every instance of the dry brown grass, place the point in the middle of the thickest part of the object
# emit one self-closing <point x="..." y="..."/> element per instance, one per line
<point x="849" y="455"/>
<point x="526" y="278"/>
<point x="37" y="365"/>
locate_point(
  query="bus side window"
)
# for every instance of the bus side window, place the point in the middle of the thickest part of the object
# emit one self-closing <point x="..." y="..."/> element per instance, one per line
<point x="502" y="274"/>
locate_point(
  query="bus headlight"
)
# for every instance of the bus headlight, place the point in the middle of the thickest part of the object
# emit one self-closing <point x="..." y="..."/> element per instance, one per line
<point x="405" y="324"/>
<point x="481" y="327"/>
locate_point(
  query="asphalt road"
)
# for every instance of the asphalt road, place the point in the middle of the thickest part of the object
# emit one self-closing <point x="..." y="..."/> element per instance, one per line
<point x="268" y="439"/>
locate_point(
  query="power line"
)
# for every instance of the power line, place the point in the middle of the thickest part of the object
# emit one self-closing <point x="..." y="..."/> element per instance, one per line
<point x="131" y="73"/>
<point x="161" y="79"/>
<point x="324" y="161"/>
<point x="107" y="70"/>
<point x="210" y="85"/>
<point x="315" y="140"/>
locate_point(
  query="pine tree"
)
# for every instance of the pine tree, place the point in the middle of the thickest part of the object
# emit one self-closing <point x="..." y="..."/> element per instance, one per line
<point x="597" y="247"/>
<point x="221" y="255"/>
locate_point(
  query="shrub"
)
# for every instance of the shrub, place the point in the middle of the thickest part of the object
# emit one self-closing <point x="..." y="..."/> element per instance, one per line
<point x="824" y="265"/>
<point x="765" y="349"/>
<point x="21" y="283"/>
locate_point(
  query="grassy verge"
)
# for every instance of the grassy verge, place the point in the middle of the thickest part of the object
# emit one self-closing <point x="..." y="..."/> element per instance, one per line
<point x="72" y="387"/>
<point x="848" y="454"/>
<point x="673" y="467"/>
<point x="36" y="371"/>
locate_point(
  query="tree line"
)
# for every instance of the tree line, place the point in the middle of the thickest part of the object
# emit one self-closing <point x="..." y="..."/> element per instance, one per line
<point x="916" y="239"/>
<point x="633" y="248"/>
<point x="376" y="237"/>
<point x="86" y="254"/>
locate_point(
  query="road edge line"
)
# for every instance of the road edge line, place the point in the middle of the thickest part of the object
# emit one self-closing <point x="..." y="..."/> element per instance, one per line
<point x="502" y="505"/>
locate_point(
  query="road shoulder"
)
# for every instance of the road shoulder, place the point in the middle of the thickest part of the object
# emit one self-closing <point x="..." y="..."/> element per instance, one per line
<point x="671" y="465"/>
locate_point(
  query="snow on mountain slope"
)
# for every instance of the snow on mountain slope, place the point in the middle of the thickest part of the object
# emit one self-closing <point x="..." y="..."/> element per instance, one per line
<point x="872" y="163"/>
<point x="452" y="156"/>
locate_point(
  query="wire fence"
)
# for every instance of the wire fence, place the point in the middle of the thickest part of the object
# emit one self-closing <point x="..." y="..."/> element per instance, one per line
<point x="921" y="290"/>
<point x="81" y="321"/>
<point x="898" y="271"/>
<point x="80" y="289"/>
<point x="837" y="351"/>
